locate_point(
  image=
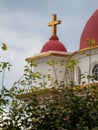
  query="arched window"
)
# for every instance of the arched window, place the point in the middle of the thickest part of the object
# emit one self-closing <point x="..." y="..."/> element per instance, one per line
<point x="79" y="75"/>
<point x="95" y="72"/>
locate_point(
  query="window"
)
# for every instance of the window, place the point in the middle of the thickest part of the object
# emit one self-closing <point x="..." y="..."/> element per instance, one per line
<point x="79" y="75"/>
<point x="95" y="72"/>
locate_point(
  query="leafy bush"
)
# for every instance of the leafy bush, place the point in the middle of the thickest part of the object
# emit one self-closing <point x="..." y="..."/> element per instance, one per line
<point x="68" y="108"/>
<point x="62" y="108"/>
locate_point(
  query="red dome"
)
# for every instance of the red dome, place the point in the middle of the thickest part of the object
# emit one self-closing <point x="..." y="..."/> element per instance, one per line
<point x="90" y="31"/>
<point x="53" y="45"/>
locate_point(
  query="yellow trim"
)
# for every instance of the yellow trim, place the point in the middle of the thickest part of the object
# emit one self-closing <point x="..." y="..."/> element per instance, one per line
<point x="46" y="54"/>
<point x="81" y="50"/>
<point x="85" y="49"/>
<point x="57" y="53"/>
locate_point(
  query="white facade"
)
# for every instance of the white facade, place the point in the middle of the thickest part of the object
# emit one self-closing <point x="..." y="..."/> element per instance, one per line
<point x="51" y="66"/>
<point x="87" y="59"/>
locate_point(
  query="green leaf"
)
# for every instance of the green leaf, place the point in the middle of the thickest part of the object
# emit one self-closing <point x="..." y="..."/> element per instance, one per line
<point x="4" y="46"/>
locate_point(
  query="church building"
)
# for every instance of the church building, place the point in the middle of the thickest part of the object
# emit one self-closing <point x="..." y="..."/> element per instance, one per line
<point x="56" y="65"/>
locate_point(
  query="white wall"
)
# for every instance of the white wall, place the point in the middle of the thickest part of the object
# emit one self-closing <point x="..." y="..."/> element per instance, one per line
<point x="84" y="63"/>
<point x="56" y="71"/>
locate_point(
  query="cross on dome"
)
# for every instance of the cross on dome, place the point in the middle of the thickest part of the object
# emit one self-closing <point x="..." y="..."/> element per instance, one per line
<point x="54" y="44"/>
<point x="54" y="23"/>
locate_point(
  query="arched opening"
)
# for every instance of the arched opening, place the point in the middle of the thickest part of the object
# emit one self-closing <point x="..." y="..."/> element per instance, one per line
<point x="78" y="73"/>
<point x="95" y="72"/>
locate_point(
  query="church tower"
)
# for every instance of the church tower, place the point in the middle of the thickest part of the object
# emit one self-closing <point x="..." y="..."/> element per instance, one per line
<point x="48" y="61"/>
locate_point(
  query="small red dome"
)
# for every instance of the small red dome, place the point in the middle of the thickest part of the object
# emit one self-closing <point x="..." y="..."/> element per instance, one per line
<point x="53" y="45"/>
<point x="90" y="31"/>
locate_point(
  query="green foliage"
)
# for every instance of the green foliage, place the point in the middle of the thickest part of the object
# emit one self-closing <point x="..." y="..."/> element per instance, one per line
<point x="5" y="65"/>
<point x="63" y="108"/>
<point x="4" y="46"/>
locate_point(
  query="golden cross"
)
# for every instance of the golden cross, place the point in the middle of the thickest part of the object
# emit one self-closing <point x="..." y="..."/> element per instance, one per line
<point x="53" y="24"/>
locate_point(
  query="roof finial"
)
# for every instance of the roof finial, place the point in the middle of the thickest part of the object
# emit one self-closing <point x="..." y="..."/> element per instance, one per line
<point x="53" y="24"/>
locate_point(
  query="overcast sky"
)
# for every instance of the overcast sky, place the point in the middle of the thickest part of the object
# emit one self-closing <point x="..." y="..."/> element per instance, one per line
<point x="23" y="26"/>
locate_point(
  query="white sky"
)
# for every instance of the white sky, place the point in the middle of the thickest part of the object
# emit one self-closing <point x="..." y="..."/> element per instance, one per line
<point x="23" y="26"/>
